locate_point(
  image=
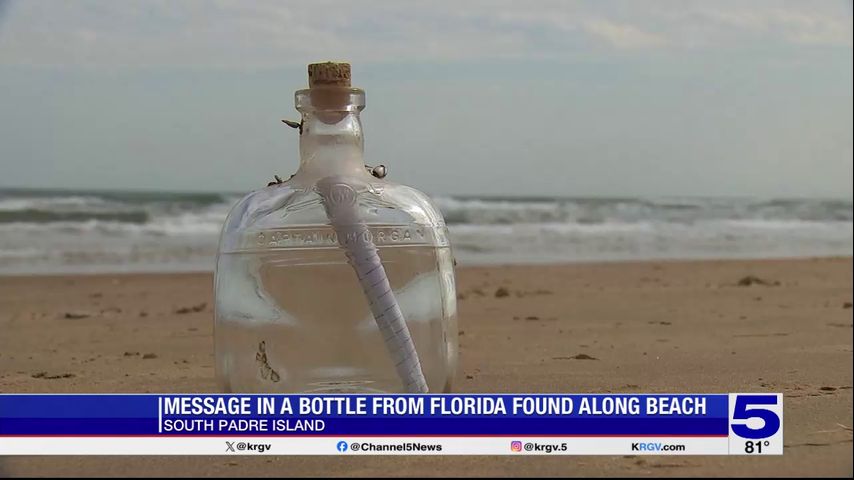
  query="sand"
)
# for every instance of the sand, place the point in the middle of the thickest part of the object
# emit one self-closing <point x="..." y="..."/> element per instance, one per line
<point x="619" y="327"/>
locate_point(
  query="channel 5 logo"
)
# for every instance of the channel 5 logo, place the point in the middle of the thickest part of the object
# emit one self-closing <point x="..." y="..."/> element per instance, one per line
<point x="515" y="446"/>
<point x="756" y="416"/>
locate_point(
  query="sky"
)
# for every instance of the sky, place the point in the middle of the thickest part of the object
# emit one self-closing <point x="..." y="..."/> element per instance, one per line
<point x="540" y="98"/>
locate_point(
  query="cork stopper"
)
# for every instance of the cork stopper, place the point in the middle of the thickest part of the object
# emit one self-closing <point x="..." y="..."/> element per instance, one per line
<point x="329" y="74"/>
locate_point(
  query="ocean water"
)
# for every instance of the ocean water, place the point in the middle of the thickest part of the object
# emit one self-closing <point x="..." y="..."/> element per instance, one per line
<point x="44" y="231"/>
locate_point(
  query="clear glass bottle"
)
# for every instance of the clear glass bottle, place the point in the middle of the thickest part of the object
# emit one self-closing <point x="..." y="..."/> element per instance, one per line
<point x="335" y="280"/>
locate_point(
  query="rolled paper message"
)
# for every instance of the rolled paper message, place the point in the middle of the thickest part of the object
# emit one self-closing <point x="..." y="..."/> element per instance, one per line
<point x="340" y="201"/>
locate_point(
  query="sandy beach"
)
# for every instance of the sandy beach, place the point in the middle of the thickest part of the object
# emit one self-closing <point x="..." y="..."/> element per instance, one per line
<point x="710" y="326"/>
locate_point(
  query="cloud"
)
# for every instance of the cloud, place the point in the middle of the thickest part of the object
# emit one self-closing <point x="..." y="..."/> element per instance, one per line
<point x="623" y="36"/>
<point x="230" y="33"/>
<point x="798" y="24"/>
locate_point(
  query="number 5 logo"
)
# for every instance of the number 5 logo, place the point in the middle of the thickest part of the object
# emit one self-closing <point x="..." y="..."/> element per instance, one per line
<point x="750" y="406"/>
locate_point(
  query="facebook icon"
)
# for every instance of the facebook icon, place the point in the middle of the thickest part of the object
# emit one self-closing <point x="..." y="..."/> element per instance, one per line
<point x="342" y="446"/>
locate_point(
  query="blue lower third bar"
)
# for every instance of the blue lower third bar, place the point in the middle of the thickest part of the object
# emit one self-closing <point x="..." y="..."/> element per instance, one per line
<point x="570" y="415"/>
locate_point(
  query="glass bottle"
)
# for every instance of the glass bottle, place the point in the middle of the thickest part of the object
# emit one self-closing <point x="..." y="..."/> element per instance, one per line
<point x="335" y="280"/>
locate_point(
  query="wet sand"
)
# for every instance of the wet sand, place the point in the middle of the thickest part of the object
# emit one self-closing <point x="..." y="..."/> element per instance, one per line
<point x="717" y="326"/>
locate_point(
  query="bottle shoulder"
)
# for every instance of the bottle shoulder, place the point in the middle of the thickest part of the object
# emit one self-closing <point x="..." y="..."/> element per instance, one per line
<point x="415" y="202"/>
<point x="379" y="203"/>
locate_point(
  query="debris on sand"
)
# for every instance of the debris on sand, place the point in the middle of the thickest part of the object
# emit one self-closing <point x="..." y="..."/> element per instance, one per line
<point x="749" y="280"/>
<point x="525" y="293"/>
<point x="846" y="305"/>
<point x="194" y="309"/>
<point x="580" y="356"/>
<point x="149" y="356"/>
<point x="45" y="375"/>
<point x="502" y="292"/>
<point x="76" y="315"/>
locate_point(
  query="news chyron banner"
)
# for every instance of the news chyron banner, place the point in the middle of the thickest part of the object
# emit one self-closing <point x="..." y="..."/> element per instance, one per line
<point x="550" y="424"/>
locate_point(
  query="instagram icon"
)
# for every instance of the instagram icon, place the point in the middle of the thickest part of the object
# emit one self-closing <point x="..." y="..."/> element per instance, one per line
<point x="516" y="446"/>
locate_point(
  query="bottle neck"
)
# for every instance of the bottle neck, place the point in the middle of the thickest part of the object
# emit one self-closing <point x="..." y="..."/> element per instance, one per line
<point x="331" y="142"/>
